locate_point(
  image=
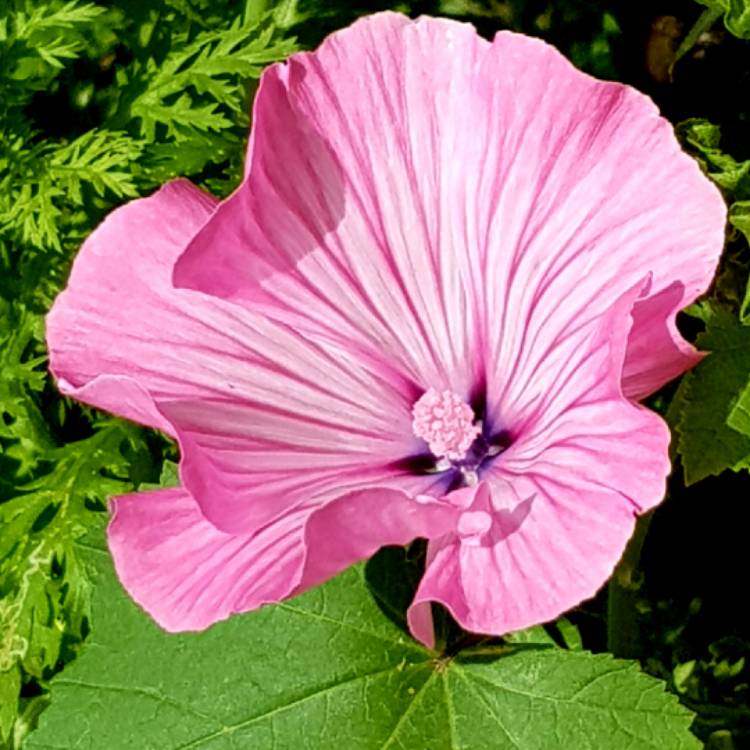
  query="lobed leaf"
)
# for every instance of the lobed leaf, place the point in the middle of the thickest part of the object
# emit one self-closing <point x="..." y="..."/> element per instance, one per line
<point x="330" y="669"/>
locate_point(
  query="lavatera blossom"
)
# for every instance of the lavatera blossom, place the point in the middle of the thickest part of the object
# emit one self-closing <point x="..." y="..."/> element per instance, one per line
<point x="429" y="311"/>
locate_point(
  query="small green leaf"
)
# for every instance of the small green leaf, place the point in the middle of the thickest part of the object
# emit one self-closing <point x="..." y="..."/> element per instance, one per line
<point x="536" y="634"/>
<point x="682" y="673"/>
<point x="739" y="417"/>
<point x="10" y="687"/>
<point x="330" y="668"/>
<point x="570" y="634"/>
<point x="739" y="217"/>
<point x="736" y="15"/>
<point x="702" y="138"/>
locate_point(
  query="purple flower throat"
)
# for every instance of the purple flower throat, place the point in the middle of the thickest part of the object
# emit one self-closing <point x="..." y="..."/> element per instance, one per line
<point x="461" y="440"/>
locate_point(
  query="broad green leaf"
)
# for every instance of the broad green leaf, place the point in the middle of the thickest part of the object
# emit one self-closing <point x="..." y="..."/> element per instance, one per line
<point x="328" y="670"/>
<point x="706" y="399"/>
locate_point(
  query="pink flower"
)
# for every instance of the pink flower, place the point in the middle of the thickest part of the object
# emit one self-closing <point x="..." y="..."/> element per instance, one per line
<point x="451" y="271"/>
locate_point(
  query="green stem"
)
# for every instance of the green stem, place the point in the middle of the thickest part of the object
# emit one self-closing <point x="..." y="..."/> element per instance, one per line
<point x="623" y="628"/>
<point x="705" y="21"/>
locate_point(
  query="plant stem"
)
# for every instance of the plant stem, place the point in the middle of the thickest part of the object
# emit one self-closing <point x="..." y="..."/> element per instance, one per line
<point x="623" y="629"/>
<point x="705" y="21"/>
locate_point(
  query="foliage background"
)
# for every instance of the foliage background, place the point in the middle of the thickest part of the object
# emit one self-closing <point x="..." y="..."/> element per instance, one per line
<point x="104" y="101"/>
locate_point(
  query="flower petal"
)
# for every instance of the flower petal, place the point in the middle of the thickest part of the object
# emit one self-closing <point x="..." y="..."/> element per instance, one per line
<point x="594" y="196"/>
<point x="353" y="239"/>
<point x="187" y="574"/>
<point x="656" y="352"/>
<point x="248" y="465"/>
<point x="356" y="525"/>
<point x="457" y="194"/>
<point x="580" y="425"/>
<point x="266" y="417"/>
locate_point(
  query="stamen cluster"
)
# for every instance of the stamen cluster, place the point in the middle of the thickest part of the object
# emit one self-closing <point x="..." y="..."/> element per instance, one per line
<point x="445" y="423"/>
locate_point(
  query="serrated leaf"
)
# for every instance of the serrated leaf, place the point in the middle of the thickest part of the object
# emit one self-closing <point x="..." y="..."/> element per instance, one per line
<point x="37" y="39"/>
<point x="99" y="158"/>
<point x="24" y="433"/>
<point x="706" y="398"/>
<point x="329" y="669"/>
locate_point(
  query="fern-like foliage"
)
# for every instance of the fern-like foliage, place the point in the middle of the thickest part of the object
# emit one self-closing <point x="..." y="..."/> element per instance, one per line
<point x="101" y="102"/>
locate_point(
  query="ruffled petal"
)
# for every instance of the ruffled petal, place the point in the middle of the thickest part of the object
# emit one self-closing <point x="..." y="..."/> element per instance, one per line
<point x="266" y="417"/>
<point x="656" y="352"/>
<point x="592" y="194"/>
<point x="355" y="526"/>
<point x="579" y="424"/>
<point x="187" y="574"/>
<point x="458" y="196"/>
<point x="561" y="554"/>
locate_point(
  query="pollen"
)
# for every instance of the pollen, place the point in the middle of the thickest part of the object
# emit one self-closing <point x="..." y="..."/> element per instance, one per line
<point x="446" y="423"/>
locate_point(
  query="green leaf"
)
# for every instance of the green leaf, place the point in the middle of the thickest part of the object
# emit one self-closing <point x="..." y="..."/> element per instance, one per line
<point x="10" y="687"/>
<point x="536" y="634"/>
<point x="739" y="417"/>
<point x="706" y="399"/>
<point x="329" y="668"/>
<point x="702" y="138"/>
<point x="739" y="217"/>
<point x="736" y="15"/>
<point x="24" y="433"/>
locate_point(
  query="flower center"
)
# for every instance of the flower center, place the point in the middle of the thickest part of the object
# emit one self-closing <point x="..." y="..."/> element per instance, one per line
<point x="446" y="423"/>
